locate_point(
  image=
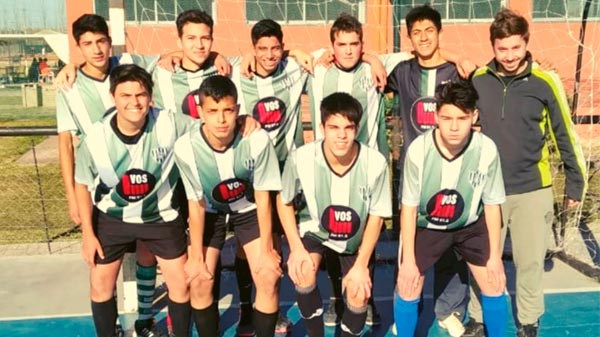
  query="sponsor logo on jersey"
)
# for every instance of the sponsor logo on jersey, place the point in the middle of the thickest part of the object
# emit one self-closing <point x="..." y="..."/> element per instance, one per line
<point x="135" y="184"/>
<point x="270" y="112"/>
<point x="477" y="178"/>
<point x="341" y="222"/>
<point x="445" y="207"/>
<point x="230" y="190"/>
<point x="422" y="114"/>
<point x="159" y="154"/>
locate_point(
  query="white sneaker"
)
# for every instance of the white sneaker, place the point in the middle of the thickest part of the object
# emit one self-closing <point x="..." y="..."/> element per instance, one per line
<point x="453" y="325"/>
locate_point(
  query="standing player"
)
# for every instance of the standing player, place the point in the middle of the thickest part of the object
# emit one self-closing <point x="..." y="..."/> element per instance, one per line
<point x="76" y="110"/>
<point x="272" y="97"/>
<point x="125" y="171"/>
<point x="228" y="179"/>
<point x="451" y="196"/>
<point x="346" y="188"/>
<point x="413" y="82"/>
<point x="521" y="105"/>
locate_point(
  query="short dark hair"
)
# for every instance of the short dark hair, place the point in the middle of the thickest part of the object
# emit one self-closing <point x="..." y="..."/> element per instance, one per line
<point x="217" y="87"/>
<point x="130" y="73"/>
<point x="193" y="16"/>
<point x="89" y="23"/>
<point x="346" y="23"/>
<point x="508" y="23"/>
<point x="266" y="28"/>
<point x="423" y="12"/>
<point x="461" y="94"/>
<point x="343" y="104"/>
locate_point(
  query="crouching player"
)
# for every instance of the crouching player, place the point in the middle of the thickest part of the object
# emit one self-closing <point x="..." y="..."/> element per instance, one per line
<point x="451" y="197"/>
<point x="228" y="178"/>
<point x="347" y="191"/>
<point x="126" y="170"/>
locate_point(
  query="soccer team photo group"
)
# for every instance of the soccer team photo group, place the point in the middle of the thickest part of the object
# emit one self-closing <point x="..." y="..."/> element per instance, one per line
<point x="286" y="153"/>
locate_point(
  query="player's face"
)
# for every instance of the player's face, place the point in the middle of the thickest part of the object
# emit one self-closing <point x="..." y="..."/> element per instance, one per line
<point x="196" y="43"/>
<point x="510" y="53"/>
<point x="219" y="119"/>
<point x="268" y="52"/>
<point x="338" y="135"/>
<point x="132" y="101"/>
<point x="95" y="49"/>
<point x="424" y="37"/>
<point x="347" y="49"/>
<point x="454" y="126"/>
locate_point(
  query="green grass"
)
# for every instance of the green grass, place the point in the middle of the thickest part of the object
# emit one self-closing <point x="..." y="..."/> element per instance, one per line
<point x="12" y="112"/>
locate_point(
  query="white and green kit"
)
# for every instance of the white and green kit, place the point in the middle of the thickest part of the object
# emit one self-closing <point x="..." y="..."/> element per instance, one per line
<point x="337" y="207"/>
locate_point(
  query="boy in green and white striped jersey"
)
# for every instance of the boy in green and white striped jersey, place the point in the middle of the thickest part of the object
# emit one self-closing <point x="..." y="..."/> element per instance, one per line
<point x="346" y="188"/>
<point x="228" y="179"/>
<point x="125" y="169"/>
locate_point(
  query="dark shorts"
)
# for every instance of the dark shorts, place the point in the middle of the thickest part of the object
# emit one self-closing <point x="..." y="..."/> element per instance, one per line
<point x="471" y="242"/>
<point x="244" y="225"/>
<point x="276" y="226"/>
<point x="313" y="245"/>
<point x="166" y="240"/>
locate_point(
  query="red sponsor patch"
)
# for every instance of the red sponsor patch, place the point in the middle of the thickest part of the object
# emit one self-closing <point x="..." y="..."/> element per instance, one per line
<point x="422" y="113"/>
<point x="230" y="190"/>
<point x="135" y="184"/>
<point x="445" y="207"/>
<point x="270" y="113"/>
<point x="341" y="222"/>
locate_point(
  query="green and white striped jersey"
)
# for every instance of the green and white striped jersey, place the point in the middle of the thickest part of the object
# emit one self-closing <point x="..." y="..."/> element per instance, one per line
<point x="274" y="101"/>
<point x="337" y="207"/>
<point x="89" y="99"/>
<point x="133" y="178"/>
<point x="226" y="180"/>
<point x="170" y="88"/>
<point x="358" y="83"/>
<point x="450" y="194"/>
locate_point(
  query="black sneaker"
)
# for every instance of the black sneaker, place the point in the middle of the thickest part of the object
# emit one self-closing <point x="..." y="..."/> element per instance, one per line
<point x="334" y="312"/>
<point x="474" y="329"/>
<point x="119" y="332"/>
<point x="373" y="318"/>
<point x="528" y="330"/>
<point x="145" y="328"/>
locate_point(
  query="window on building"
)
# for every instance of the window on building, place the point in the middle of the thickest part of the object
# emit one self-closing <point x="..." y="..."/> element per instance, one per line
<point x="564" y="9"/>
<point x="303" y="11"/>
<point x="455" y="10"/>
<point x="154" y="10"/>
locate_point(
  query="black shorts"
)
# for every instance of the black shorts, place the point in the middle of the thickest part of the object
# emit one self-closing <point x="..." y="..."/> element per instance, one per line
<point x="166" y="240"/>
<point x="313" y="245"/>
<point x="471" y="242"/>
<point x="244" y="225"/>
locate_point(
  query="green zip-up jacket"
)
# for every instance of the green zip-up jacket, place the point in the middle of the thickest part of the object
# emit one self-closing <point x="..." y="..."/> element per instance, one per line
<point x="518" y="116"/>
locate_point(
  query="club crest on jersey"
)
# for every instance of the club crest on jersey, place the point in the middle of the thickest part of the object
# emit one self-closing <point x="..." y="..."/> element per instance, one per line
<point x="445" y="207"/>
<point x="364" y="192"/>
<point x="366" y="83"/>
<point x="477" y="178"/>
<point x="270" y="113"/>
<point x="341" y="222"/>
<point x="159" y="154"/>
<point x="230" y="190"/>
<point x="135" y="184"/>
<point x="422" y="113"/>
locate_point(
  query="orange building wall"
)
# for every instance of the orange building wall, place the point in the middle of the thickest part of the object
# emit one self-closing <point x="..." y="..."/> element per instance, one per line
<point x="554" y="41"/>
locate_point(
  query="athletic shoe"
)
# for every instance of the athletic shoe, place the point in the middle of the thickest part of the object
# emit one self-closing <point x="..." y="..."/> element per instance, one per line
<point x="333" y="315"/>
<point x="528" y="330"/>
<point x="373" y="318"/>
<point x="453" y="325"/>
<point x="283" y="326"/>
<point x="474" y="329"/>
<point x="119" y="332"/>
<point x="146" y="328"/>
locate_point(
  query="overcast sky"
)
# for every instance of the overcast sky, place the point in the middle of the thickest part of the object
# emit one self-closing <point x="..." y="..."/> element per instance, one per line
<point x="34" y="14"/>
